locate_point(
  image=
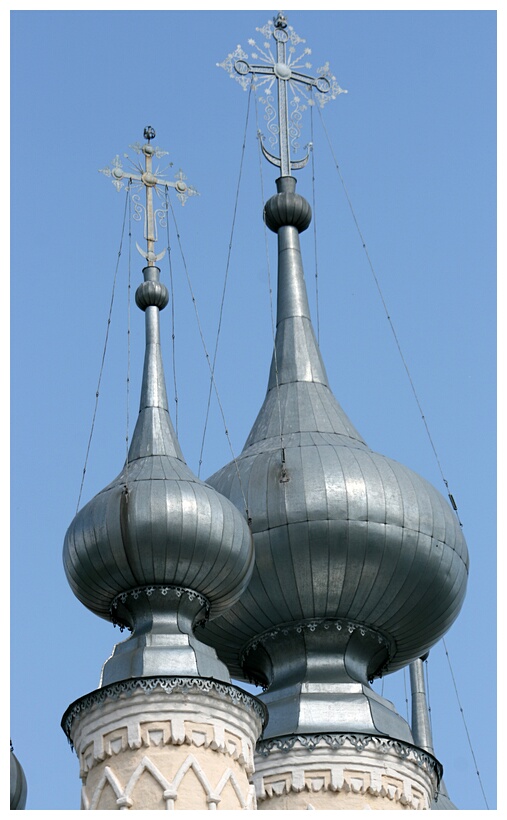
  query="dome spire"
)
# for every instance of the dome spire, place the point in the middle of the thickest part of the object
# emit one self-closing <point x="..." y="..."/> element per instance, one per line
<point x="296" y="357"/>
<point x="160" y="551"/>
<point x="154" y="432"/>
<point x="360" y="564"/>
<point x="157" y="550"/>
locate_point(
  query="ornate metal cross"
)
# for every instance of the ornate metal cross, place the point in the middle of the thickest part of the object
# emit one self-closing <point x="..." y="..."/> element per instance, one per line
<point x="285" y="70"/>
<point x="152" y="182"/>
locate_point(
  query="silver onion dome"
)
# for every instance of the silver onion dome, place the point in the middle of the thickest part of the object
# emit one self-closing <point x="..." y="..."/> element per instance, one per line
<point x="19" y="788"/>
<point x="158" y="550"/>
<point x="360" y="563"/>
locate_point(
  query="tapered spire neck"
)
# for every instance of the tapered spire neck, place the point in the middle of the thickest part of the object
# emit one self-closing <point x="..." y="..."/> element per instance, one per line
<point x="152" y="297"/>
<point x="154" y="433"/>
<point x="297" y="356"/>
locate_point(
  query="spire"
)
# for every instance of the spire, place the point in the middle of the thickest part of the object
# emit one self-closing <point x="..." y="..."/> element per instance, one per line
<point x="298" y="399"/>
<point x="360" y="564"/>
<point x="154" y="433"/>
<point x="157" y="550"/>
<point x="297" y="360"/>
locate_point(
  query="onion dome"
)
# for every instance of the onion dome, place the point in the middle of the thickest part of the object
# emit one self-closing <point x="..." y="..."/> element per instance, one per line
<point x="442" y="801"/>
<point x="18" y="784"/>
<point x="360" y="563"/>
<point x="158" y="550"/>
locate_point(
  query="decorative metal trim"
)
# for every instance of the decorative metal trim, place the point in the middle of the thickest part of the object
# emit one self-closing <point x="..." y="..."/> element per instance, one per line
<point x="283" y="67"/>
<point x="169" y="685"/>
<point x="312" y="624"/>
<point x="151" y="180"/>
<point x="164" y="589"/>
<point x="359" y="742"/>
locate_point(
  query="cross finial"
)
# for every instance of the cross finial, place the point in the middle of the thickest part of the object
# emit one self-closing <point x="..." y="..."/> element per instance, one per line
<point x="149" y="133"/>
<point x="286" y="69"/>
<point x="152" y="181"/>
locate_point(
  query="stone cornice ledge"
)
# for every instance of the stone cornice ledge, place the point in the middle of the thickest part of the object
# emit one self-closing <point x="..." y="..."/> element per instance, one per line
<point x="360" y="742"/>
<point x="168" y="684"/>
<point x="356" y="766"/>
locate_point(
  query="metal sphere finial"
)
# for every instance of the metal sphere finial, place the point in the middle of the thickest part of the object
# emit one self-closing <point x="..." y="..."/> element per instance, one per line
<point x="280" y="20"/>
<point x="149" y="133"/>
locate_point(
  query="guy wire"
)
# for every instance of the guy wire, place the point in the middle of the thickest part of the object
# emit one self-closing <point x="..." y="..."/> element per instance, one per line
<point x="450" y="496"/>
<point x="101" y="370"/>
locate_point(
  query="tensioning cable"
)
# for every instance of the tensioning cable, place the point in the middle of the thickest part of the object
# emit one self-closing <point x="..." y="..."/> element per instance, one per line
<point x="173" y="314"/>
<point x="101" y="369"/>
<point x="391" y="324"/>
<point x="208" y="359"/>
<point x="283" y="477"/>
<point x="226" y="277"/>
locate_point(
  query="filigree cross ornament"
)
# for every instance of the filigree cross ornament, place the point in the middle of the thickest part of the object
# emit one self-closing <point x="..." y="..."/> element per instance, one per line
<point x="286" y="68"/>
<point x="152" y="180"/>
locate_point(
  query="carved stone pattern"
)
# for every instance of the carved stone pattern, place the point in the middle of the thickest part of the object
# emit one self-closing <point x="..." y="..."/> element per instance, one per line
<point x="191" y="750"/>
<point x="343" y="771"/>
<point x="347" y="783"/>
<point x="124" y="793"/>
<point x="175" y="731"/>
<point x="168" y="685"/>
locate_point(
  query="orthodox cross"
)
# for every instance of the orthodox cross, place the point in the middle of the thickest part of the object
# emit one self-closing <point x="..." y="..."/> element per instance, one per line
<point x="152" y="181"/>
<point x="286" y="70"/>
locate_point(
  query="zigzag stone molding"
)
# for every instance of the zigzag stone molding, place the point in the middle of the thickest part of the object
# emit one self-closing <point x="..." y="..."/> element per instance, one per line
<point x="343" y="771"/>
<point x="109" y="792"/>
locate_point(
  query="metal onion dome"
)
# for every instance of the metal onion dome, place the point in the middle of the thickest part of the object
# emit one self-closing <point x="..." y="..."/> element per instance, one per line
<point x="360" y="564"/>
<point x="18" y="784"/>
<point x="156" y="523"/>
<point x="158" y="550"/>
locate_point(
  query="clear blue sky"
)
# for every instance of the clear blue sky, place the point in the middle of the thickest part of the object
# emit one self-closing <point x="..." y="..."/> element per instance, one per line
<point x="415" y="140"/>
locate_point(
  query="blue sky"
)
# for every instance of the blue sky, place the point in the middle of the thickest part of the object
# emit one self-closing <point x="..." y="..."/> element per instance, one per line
<point x="415" y="141"/>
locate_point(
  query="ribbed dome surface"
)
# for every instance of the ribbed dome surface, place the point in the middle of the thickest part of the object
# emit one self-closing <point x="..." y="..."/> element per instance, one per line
<point x="170" y="529"/>
<point x="340" y="532"/>
<point x="343" y="533"/>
